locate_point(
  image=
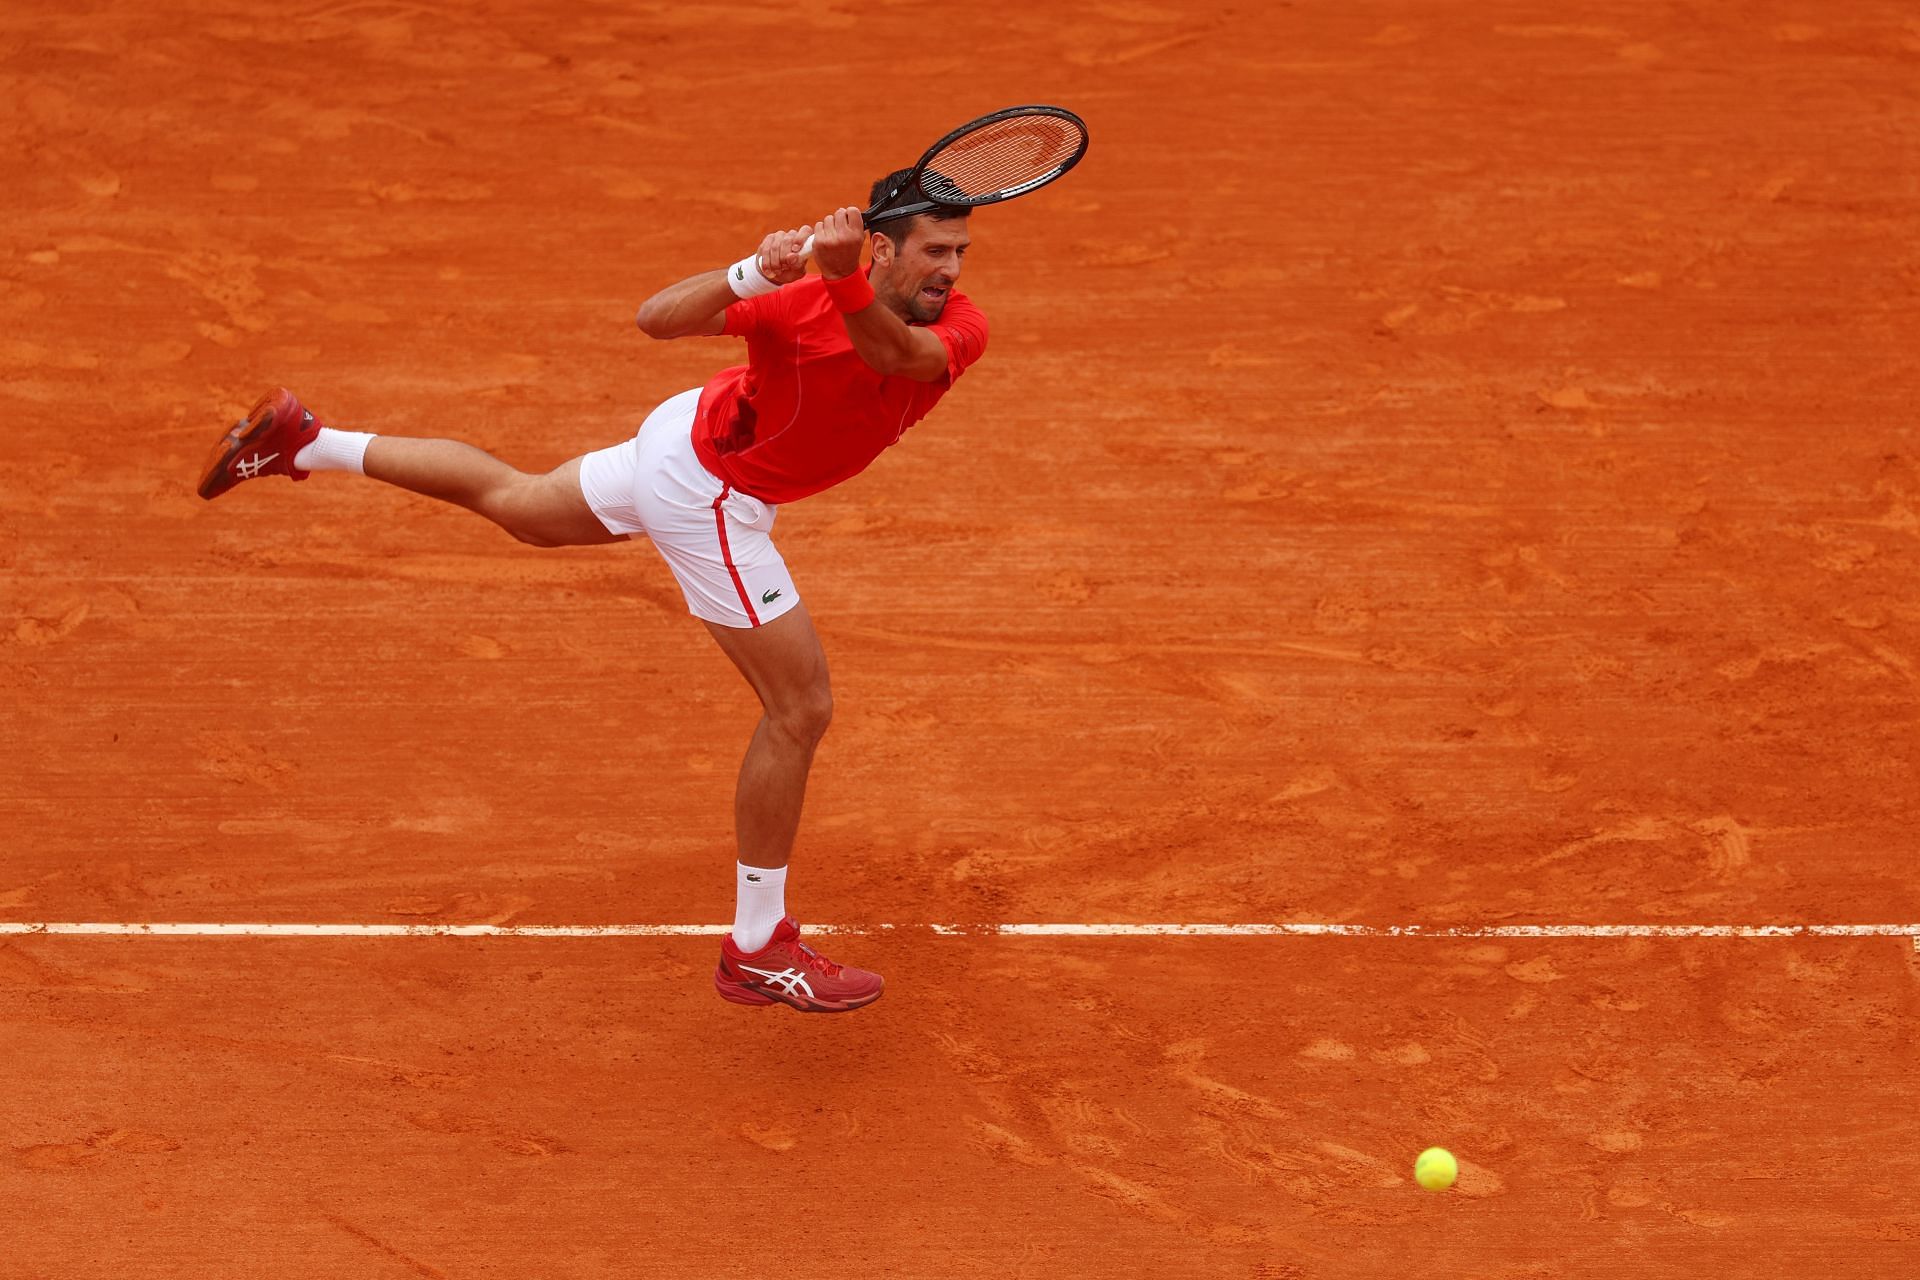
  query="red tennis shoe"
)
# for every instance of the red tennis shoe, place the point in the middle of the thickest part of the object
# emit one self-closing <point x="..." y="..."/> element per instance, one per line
<point x="789" y="971"/>
<point x="261" y="444"/>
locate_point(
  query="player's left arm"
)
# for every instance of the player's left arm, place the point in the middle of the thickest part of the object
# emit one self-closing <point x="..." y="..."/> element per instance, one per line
<point x="889" y="344"/>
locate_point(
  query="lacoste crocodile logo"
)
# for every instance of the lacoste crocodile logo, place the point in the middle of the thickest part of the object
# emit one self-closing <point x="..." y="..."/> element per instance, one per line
<point x="768" y="597"/>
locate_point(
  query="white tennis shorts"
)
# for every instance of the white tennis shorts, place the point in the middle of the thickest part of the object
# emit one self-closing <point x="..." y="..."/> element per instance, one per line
<point x="717" y="540"/>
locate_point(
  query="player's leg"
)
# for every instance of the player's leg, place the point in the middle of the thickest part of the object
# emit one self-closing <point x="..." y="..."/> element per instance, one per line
<point x="787" y="668"/>
<point x="280" y="437"/>
<point x="763" y="959"/>
<point x="540" y="510"/>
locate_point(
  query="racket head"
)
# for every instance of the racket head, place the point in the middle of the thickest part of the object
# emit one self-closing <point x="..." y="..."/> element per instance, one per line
<point x="1001" y="155"/>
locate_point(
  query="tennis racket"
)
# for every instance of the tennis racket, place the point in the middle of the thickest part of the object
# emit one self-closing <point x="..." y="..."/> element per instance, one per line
<point x="985" y="161"/>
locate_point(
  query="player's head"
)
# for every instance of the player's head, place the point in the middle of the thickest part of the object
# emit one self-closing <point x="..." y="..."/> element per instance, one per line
<point x="916" y="259"/>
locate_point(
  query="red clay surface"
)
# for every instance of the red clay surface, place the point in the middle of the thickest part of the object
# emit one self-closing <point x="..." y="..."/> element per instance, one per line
<point x="1445" y="464"/>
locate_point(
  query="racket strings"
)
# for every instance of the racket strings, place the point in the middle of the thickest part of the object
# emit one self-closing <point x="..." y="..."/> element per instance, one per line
<point x="1003" y="156"/>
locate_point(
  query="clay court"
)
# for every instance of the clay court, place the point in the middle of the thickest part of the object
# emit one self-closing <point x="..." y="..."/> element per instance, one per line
<point x="1438" y="466"/>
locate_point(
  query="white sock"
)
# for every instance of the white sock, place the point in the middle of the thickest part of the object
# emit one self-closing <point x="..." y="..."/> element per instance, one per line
<point x="335" y="451"/>
<point x="759" y="904"/>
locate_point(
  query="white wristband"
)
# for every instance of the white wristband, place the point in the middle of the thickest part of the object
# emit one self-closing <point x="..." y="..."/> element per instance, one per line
<point x="745" y="278"/>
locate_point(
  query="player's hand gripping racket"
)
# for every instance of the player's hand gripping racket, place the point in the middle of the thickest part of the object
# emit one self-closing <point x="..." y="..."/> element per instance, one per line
<point x="985" y="161"/>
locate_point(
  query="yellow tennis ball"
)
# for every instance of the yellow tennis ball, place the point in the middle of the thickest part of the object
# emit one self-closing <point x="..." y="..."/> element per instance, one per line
<point x="1436" y="1169"/>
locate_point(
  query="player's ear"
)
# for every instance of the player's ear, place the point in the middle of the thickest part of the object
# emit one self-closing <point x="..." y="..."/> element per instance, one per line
<point x="882" y="247"/>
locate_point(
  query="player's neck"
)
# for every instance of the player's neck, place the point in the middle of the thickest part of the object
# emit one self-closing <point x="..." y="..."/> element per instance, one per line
<point x="887" y="296"/>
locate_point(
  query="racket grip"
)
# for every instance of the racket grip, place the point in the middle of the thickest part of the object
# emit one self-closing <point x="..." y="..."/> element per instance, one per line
<point x="806" y="250"/>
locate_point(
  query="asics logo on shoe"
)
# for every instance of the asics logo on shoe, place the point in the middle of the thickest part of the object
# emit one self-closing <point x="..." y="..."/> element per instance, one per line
<point x="251" y="467"/>
<point x="788" y="981"/>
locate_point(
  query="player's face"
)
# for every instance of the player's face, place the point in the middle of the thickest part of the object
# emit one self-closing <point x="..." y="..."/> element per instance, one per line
<point x="918" y="273"/>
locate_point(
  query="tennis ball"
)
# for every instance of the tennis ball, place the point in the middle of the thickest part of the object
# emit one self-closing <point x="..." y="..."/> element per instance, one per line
<point x="1435" y="1169"/>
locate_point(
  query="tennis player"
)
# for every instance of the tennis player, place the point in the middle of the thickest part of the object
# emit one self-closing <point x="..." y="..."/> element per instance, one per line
<point x="839" y="365"/>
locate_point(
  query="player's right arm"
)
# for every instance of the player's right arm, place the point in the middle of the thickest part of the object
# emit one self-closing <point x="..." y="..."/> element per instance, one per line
<point x="697" y="306"/>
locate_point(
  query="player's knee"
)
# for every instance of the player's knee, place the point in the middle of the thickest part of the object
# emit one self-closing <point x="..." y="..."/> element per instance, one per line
<point x="522" y="508"/>
<point x="805" y="716"/>
<point x="531" y="536"/>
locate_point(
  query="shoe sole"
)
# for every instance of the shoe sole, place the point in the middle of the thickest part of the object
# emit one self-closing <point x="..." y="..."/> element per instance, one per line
<point x="242" y="434"/>
<point x="740" y="993"/>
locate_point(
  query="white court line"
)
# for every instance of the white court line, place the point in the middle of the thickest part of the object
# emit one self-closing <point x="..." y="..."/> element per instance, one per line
<point x="1295" y="930"/>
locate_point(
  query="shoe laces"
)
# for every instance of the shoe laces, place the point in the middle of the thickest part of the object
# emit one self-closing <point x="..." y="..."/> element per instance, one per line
<point x="814" y="960"/>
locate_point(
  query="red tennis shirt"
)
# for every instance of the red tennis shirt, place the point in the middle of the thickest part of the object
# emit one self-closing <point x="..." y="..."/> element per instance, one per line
<point x="806" y="412"/>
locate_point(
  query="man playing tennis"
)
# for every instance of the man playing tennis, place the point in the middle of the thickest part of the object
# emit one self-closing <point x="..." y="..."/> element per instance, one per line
<point x="839" y="365"/>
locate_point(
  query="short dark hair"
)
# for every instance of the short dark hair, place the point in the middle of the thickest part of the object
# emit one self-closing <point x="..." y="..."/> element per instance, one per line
<point x="899" y="229"/>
